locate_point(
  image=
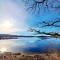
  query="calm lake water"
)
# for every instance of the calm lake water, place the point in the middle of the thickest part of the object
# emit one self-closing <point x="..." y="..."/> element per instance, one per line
<point x="28" y="45"/>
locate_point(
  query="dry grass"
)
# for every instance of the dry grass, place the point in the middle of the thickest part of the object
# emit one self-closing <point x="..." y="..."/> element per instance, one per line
<point x="19" y="56"/>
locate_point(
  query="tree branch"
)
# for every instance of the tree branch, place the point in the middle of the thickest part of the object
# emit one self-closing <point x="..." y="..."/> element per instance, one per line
<point x="36" y="4"/>
<point x="51" y="23"/>
<point x="51" y="34"/>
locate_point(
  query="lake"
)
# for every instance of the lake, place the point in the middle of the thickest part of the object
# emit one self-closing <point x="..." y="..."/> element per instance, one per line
<point x="30" y="45"/>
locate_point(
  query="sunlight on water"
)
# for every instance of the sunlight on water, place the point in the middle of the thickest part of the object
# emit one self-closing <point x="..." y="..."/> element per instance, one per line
<point x="21" y="44"/>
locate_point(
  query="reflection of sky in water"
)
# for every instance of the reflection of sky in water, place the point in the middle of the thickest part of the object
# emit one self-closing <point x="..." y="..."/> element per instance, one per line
<point x="35" y="45"/>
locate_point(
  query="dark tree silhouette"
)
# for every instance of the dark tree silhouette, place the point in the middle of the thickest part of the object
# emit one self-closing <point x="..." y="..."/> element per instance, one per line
<point x="55" y="24"/>
<point x="36" y="5"/>
<point x="50" y="34"/>
<point x="51" y="23"/>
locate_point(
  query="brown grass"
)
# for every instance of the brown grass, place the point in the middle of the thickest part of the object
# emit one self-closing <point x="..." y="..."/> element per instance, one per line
<point x="19" y="56"/>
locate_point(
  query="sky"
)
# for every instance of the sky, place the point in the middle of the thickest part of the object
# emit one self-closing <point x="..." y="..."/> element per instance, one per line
<point x="12" y="16"/>
<point x="15" y="19"/>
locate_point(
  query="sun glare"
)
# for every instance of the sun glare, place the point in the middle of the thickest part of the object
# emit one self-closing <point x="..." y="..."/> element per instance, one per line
<point x="3" y="50"/>
<point x="7" y="24"/>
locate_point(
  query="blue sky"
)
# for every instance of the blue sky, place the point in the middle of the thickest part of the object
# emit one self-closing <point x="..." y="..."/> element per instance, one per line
<point x="15" y="19"/>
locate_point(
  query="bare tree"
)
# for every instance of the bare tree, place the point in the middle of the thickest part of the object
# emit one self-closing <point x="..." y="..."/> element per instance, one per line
<point x="56" y="5"/>
<point x="51" y="34"/>
<point x="48" y="24"/>
<point x="51" y="23"/>
<point x="37" y="5"/>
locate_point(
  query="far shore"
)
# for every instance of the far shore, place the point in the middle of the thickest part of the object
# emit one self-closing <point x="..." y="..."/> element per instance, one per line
<point x="8" y="36"/>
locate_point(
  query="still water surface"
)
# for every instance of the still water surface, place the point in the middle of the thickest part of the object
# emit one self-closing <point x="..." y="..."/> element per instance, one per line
<point x="33" y="44"/>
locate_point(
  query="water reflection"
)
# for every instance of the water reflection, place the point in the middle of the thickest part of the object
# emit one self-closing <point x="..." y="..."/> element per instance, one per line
<point x="35" y="45"/>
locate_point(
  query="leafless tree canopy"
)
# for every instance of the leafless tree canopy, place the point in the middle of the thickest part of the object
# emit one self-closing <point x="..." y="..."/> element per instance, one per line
<point x="51" y="23"/>
<point x="37" y="5"/>
<point x="55" y="23"/>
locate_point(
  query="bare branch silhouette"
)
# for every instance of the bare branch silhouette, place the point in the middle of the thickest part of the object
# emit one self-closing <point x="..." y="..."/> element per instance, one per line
<point x="51" y="34"/>
<point x="56" y="6"/>
<point x="51" y="23"/>
<point x="36" y="5"/>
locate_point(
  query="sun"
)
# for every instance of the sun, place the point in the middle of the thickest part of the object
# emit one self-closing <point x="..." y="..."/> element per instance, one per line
<point x="3" y="50"/>
<point x="7" y="24"/>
